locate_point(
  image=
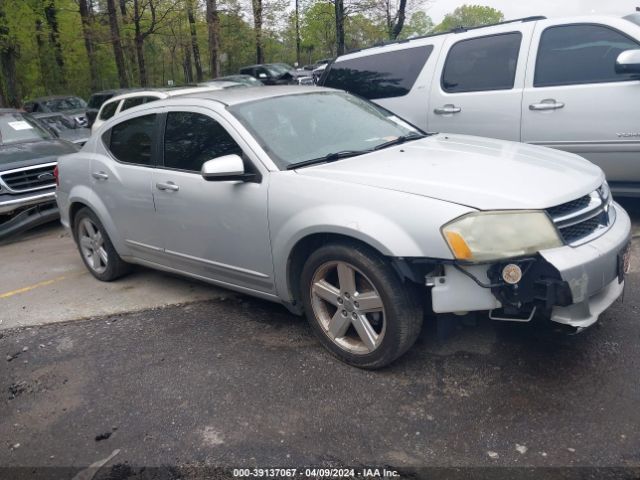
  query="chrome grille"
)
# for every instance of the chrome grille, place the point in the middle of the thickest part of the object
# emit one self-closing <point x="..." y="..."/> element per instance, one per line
<point x="28" y="178"/>
<point x="585" y="218"/>
<point x="569" y="207"/>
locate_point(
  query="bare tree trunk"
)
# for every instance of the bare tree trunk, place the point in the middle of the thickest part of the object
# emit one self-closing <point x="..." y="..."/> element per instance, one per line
<point x="8" y="56"/>
<point x="298" y="33"/>
<point x="51" y="16"/>
<point x="194" y="40"/>
<point x="88" y="43"/>
<point x="127" y="44"/>
<point x="339" y="4"/>
<point x="41" y="56"/>
<point x="186" y="65"/>
<point x="257" y="26"/>
<point x="117" y="45"/>
<point x="213" y="24"/>
<point x="398" y="23"/>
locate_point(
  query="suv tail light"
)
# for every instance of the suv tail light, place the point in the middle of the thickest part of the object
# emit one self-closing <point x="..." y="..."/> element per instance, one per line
<point x="55" y="175"/>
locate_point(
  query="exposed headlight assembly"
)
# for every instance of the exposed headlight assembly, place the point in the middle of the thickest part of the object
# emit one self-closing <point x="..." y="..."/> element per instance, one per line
<point x="488" y="236"/>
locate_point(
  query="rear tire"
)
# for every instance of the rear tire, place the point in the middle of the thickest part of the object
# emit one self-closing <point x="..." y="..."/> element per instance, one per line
<point x="95" y="247"/>
<point x="357" y="305"/>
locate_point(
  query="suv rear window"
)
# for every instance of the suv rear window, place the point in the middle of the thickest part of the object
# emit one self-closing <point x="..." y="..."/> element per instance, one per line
<point x="382" y="75"/>
<point x="579" y="54"/>
<point x="484" y="63"/>
<point x="131" y="140"/>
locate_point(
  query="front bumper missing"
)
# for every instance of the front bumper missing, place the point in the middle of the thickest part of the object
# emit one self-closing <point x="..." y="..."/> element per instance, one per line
<point x="588" y="279"/>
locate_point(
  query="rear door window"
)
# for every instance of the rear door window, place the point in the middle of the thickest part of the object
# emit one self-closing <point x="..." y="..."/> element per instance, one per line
<point x="579" y="54"/>
<point x="382" y="75"/>
<point x="483" y="63"/>
<point x="131" y="141"/>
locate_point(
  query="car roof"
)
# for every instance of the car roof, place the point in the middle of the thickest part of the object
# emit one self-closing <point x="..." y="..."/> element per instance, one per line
<point x="162" y="93"/>
<point x="8" y="110"/>
<point x="234" y="96"/>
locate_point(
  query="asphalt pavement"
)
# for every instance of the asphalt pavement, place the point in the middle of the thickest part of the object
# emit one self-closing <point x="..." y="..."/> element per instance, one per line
<point x="173" y="391"/>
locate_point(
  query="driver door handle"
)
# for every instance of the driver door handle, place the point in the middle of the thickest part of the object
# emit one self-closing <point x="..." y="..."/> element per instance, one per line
<point x="100" y="175"/>
<point x="172" y="187"/>
<point x="447" y="109"/>
<point x="548" y="104"/>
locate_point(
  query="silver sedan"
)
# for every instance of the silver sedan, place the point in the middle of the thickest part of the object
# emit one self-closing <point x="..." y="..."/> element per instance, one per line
<point x="341" y="210"/>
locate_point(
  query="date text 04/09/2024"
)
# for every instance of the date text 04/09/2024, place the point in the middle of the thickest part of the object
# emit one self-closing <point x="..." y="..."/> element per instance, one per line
<point x="315" y="472"/>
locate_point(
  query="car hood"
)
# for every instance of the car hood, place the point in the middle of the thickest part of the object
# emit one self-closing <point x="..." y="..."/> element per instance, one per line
<point x="18" y="155"/>
<point x="477" y="172"/>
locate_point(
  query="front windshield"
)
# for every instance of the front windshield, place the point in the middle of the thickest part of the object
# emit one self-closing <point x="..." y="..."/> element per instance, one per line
<point x="18" y="128"/>
<point x="62" y="104"/>
<point x="299" y="128"/>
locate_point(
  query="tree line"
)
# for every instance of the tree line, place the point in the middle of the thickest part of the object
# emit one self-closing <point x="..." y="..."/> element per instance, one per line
<point x="82" y="46"/>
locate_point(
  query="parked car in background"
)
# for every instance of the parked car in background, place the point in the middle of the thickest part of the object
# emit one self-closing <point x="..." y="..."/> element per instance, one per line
<point x="98" y="98"/>
<point x="334" y="206"/>
<point x="218" y="82"/>
<point x="277" y="74"/>
<point x="28" y="154"/>
<point x="139" y="97"/>
<point x="247" y="80"/>
<point x="567" y="83"/>
<point x="62" y="127"/>
<point x="75" y="108"/>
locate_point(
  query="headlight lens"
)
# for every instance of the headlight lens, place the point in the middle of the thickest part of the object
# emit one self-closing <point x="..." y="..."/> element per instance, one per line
<point x="487" y="236"/>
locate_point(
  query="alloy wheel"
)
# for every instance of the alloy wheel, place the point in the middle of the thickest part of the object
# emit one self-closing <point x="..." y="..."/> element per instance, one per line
<point x="348" y="307"/>
<point x="92" y="246"/>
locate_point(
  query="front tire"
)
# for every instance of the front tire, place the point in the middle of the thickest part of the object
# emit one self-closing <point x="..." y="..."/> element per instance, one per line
<point x="357" y="305"/>
<point x="96" y="250"/>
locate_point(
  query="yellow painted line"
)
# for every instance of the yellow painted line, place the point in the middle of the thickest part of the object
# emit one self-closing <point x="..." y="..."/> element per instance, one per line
<point x="31" y="287"/>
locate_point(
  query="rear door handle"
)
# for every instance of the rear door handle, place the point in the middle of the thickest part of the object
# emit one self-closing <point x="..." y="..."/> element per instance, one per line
<point x="445" y="109"/>
<point x="172" y="187"/>
<point x="100" y="175"/>
<point x="548" y="104"/>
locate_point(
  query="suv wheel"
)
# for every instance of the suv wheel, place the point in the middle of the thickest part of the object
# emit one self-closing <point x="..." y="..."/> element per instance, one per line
<point x="358" y="307"/>
<point x="96" y="249"/>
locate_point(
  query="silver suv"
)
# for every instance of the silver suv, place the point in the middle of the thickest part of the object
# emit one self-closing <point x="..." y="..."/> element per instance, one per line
<point x="339" y="209"/>
<point x="567" y="83"/>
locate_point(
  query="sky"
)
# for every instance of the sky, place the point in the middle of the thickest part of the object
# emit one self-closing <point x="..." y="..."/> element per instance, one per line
<point x="437" y="9"/>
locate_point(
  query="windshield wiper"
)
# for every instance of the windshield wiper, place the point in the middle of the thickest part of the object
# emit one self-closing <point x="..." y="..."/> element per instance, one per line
<point x="399" y="140"/>
<point x="331" y="157"/>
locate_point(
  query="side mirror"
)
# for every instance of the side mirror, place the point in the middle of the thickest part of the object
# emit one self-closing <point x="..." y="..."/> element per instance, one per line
<point x="628" y="62"/>
<point x="262" y="75"/>
<point x="228" y="167"/>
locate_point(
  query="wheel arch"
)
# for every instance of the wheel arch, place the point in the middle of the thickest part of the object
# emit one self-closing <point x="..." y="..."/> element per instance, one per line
<point x="82" y="197"/>
<point x="311" y="242"/>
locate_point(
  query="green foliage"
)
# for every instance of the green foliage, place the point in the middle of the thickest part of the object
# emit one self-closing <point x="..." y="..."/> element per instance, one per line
<point x="419" y="24"/>
<point x="470" y="16"/>
<point x="168" y="45"/>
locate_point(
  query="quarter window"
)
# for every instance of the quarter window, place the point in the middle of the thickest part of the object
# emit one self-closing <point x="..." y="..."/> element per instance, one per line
<point x="131" y="140"/>
<point x="383" y="75"/>
<point x="578" y="54"/>
<point x="108" y="110"/>
<point x="484" y="63"/>
<point x="190" y="139"/>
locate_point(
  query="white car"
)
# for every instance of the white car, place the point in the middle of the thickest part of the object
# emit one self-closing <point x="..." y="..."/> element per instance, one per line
<point x="126" y="101"/>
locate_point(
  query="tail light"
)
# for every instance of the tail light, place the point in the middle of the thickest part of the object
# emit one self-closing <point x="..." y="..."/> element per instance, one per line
<point x="55" y="175"/>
